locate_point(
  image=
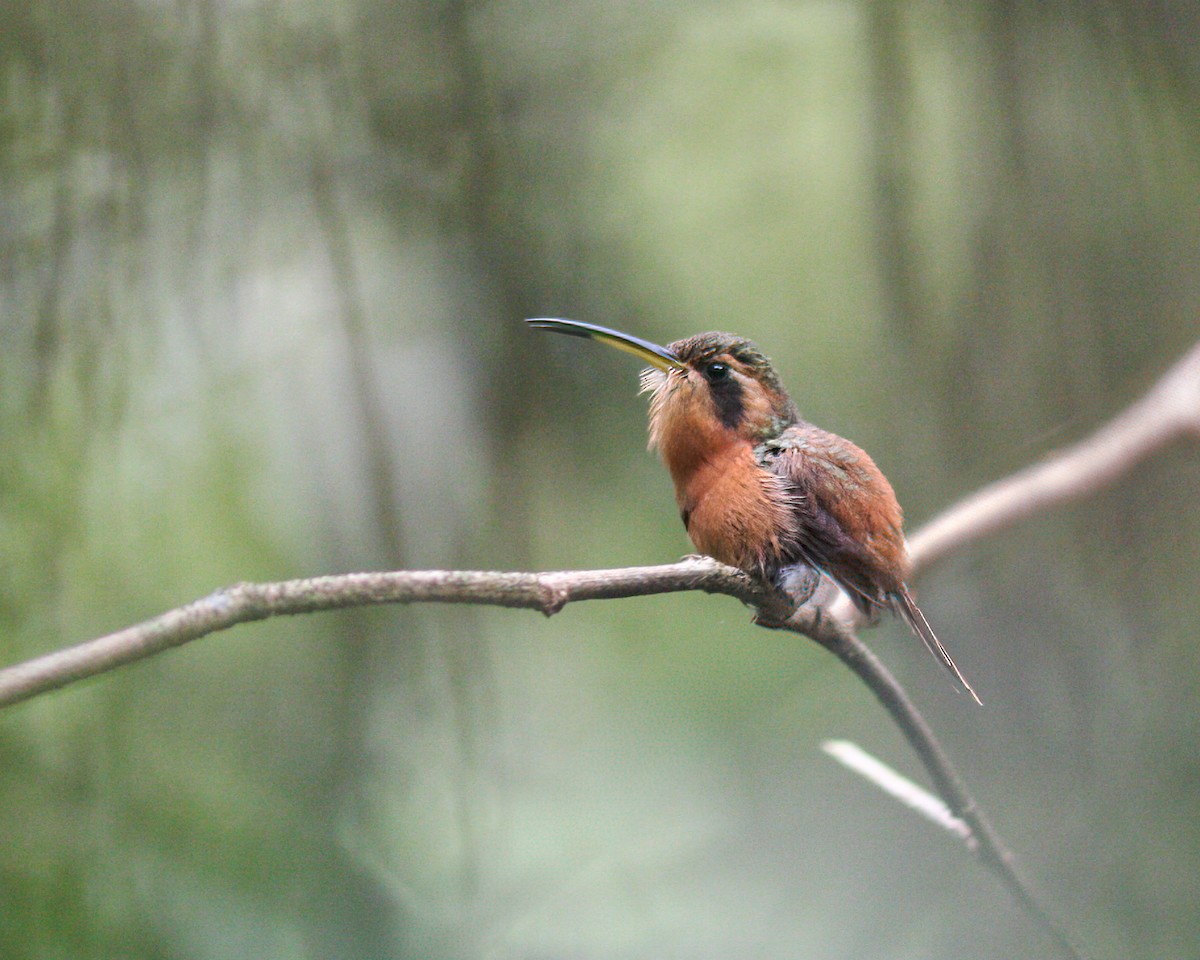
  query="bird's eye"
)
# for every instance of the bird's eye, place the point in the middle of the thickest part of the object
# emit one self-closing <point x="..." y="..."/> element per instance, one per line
<point x="716" y="370"/>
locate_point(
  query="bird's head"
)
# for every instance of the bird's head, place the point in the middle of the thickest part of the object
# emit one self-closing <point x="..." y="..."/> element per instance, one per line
<point x="706" y="391"/>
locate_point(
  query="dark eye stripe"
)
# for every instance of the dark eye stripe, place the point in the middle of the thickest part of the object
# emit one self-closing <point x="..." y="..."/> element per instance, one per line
<point x="726" y="392"/>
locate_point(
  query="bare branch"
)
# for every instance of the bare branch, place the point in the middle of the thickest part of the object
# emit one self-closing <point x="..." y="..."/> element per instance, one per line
<point x="980" y="837"/>
<point x="245" y="602"/>
<point x="1169" y="410"/>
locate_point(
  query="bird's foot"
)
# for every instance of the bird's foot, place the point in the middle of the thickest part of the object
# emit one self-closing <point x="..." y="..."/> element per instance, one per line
<point x="799" y="581"/>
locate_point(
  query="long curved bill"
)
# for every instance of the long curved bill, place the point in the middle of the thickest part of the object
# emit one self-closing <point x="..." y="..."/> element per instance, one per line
<point x="652" y="353"/>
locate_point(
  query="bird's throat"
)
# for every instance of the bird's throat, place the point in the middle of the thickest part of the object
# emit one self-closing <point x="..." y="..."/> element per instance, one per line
<point x="734" y="511"/>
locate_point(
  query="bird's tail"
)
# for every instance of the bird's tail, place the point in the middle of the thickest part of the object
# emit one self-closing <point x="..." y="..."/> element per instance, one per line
<point x="907" y="607"/>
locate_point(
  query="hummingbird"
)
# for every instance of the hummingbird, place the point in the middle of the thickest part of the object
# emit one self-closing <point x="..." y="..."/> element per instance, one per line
<point x="760" y="488"/>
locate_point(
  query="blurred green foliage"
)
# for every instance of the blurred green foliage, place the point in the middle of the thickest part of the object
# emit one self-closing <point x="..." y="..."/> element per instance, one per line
<point x="262" y="271"/>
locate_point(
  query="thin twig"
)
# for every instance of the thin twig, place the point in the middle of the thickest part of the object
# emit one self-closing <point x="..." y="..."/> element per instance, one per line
<point x="914" y="796"/>
<point x="1169" y="410"/>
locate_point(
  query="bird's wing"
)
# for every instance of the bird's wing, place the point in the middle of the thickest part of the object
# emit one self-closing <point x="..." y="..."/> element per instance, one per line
<point x="830" y="480"/>
<point x="849" y="526"/>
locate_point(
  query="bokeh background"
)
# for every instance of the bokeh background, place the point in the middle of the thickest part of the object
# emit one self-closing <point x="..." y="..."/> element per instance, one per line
<point x="262" y="272"/>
